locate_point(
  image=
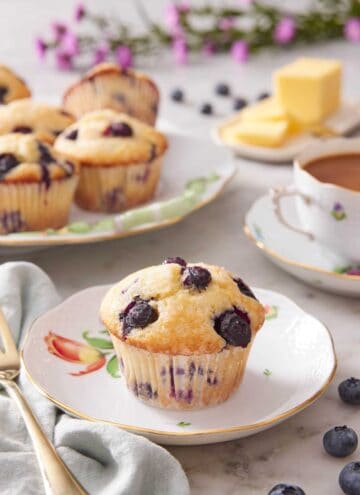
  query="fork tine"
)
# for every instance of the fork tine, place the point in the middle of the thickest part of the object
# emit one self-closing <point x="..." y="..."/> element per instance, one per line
<point x="6" y="335"/>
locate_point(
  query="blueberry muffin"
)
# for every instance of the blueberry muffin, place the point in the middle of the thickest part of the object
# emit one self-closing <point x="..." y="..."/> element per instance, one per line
<point x="27" y="116"/>
<point x="36" y="185"/>
<point x="109" y="86"/>
<point x="182" y="332"/>
<point x="12" y="87"/>
<point x="120" y="157"/>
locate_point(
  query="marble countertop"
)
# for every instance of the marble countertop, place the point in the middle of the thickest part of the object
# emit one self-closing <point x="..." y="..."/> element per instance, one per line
<point x="292" y="451"/>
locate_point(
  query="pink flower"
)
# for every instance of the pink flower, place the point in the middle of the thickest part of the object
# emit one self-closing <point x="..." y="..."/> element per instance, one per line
<point x="80" y="12"/>
<point x="41" y="48"/>
<point x="240" y="51"/>
<point x="209" y="48"/>
<point x="124" y="56"/>
<point x="180" y="51"/>
<point x="354" y="271"/>
<point x="70" y="43"/>
<point x="59" y="30"/>
<point x="63" y="60"/>
<point x="285" y="31"/>
<point x="172" y="19"/>
<point x="226" y="23"/>
<point x="352" y="29"/>
<point x="100" y="53"/>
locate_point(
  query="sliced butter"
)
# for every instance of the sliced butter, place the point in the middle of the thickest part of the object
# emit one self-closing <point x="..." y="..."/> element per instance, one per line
<point x="268" y="109"/>
<point x="269" y="134"/>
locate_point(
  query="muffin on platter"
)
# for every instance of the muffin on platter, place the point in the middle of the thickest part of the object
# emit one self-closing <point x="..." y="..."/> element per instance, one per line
<point x="109" y="86"/>
<point x="28" y="116"/>
<point x="121" y="160"/>
<point x="182" y="332"/>
<point x="12" y="87"/>
<point x="37" y="185"/>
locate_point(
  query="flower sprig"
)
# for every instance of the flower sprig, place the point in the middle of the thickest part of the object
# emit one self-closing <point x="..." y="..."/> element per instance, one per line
<point x="241" y="30"/>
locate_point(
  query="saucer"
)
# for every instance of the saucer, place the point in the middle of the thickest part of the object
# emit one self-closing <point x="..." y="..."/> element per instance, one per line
<point x="306" y="259"/>
<point x="277" y="383"/>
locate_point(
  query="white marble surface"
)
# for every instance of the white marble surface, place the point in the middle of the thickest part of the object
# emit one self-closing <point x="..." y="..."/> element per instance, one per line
<point x="293" y="450"/>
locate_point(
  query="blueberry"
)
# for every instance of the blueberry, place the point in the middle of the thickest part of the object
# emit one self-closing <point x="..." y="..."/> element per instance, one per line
<point x="222" y="89"/>
<point x="45" y="155"/>
<point x="138" y="314"/>
<point x="349" y="479"/>
<point x="3" y="92"/>
<point x="23" y="129"/>
<point x="263" y="95"/>
<point x="239" y="103"/>
<point x="176" y="260"/>
<point x="284" y="489"/>
<point x="72" y="135"/>
<point x="197" y="276"/>
<point x="340" y="441"/>
<point x="243" y="288"/>
<point x="349" y="391"/>
<point x="234" y="326"/>
<point x="118" y="129"/>
<point x="7" y="162"/>
<point x="177" y="95"/>
<point x="206" y="109"/>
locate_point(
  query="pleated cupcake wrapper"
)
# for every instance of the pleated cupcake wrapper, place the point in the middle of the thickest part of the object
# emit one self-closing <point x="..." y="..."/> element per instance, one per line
<point x="33" y="206"/>
<point x="181" y="382"/>
<point x="117" y="187"/>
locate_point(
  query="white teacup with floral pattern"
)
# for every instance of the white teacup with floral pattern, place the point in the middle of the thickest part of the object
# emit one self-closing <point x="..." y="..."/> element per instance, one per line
<point x="328" y="213"/>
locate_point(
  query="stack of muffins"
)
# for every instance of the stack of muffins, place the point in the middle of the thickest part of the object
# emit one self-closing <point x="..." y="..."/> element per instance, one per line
<point x="100" y="149"/>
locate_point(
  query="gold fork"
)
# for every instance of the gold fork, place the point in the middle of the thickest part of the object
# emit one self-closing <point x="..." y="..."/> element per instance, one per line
<point x="57" y="478"/>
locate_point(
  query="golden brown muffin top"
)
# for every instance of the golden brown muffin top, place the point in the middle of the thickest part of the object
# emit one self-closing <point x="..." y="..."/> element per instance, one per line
<point x="12" y="87"/>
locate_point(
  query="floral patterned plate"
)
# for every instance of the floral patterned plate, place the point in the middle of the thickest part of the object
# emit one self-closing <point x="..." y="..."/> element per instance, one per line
<point x="70" y="359"/>
<point x="194" y="174"/>
<point x="306" y="259"/>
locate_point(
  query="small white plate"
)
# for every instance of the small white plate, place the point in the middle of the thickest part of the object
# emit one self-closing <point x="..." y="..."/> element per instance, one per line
<point x="346" y="119"/>
<point x="306" y="259"/>
<point x="194" y="174"/>
<point x="290" y="366"/>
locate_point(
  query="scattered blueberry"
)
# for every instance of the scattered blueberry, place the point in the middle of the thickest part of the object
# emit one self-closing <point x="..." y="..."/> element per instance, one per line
<point x="222" y="89"/>
<point x="72" y="135"/>
<point x="3" y="92"/>
<point x="349" y="479"/>
<point x="45" y="155"/>
<point x="243" y="288"/>
<point x="340" y="441"/>
<point x="197" y="276"/>
<point x="118" y="129"/>
<point x="234" y="326"/>
<point x="239" y="103"/>
<point x="284" y="489"/>
<point x="138" y="314"/>
<point x="349" y="391"/>
<point x="263" y="95"/>
<point x="23" y="129"/>
<point x="7" y="162"/>
<point x="176" y="259"/>
<point x="177" y="95"/>
<point x="206" y="109"/>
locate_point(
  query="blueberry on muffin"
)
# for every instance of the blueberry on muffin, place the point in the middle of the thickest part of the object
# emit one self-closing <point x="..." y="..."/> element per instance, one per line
<point x="36" y="185"/>
<point x="182" y="332"/>
<point x="109" y="86"/>
<point x="12" y="87"/>
<point x="120" y="157"/>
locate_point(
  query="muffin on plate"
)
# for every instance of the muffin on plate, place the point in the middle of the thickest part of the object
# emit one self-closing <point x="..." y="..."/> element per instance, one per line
<point x="12" y="87"/>
<point x="109" y="86"/>
<point x="27" y="116"/>
<point x="37" y="185"/>
<point x="182" y="332"/>
<point x="120" y="158"/>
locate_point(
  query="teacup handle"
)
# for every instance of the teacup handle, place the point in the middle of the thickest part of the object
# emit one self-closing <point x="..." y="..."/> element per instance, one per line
<point x="280" y="192"/>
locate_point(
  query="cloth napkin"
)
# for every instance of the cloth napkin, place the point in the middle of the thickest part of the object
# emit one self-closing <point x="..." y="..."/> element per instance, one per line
<point x="105" y="459"/>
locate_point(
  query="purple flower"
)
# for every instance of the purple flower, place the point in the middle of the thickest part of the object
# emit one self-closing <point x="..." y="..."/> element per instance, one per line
<point x="59" y="29"/>
<point x="63" y="60"/>
<point x="209" y="48"/>
<point x="352" y="29"/>
<point x="226" y="23"/>
<point x="354" y="271"/>
<point x="41" y="48"/>
<point x="180" y="51"/>
<point x="80" y="12"/>
<point x="100" y="53"/>
<point x="240" y="51"/>
<point x="124" y="56"/>
<point x="285" y="31"/>
<point x="172" y="19"/>
<point x="70" y="43"/>
<point x="338" y="207"/>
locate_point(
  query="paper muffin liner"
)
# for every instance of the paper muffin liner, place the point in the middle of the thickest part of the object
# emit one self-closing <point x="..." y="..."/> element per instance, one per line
<point x="34" y="206"/>
<point x="181" y="382"/>
<point x="117" y="187"/>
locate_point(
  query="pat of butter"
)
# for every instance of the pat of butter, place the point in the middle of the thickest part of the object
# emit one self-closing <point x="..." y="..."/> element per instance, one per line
<point x="268" y="109"/>
<point x="309" y="89"/>
<point x="258" y="133"/>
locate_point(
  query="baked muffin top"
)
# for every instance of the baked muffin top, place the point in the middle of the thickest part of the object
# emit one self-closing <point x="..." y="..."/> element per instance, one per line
<point x="12" y="87"/>
<point x="27" y="116"/>
<point x="182" y="308"/>
<point x="23" y="158"/>
<point x="106" y="137"/>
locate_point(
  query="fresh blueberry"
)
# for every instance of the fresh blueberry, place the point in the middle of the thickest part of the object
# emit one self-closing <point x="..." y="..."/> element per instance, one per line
<point x="177" y="95"/>
<point x="23" y="129"/>
<point x="3" y="92"/>
<point x="243" y="288"/>
<point x="263" y="95"/>
<point x="234" y="326"/>
<point x="176" y="260"/>
<point x="72" y="135"/>
<point x="222" y="89"/>
<point x="118" y="129"/>
<point x="138" y="314"/>
<point x="7" y="162"/>
<point x="206" y="109"/>
<point x="349" y="391"/>
<point x="340" y="441"/>
<point x="239" y="103"/>
<point x="197" y="276"/>
<point x="285" y="489"/>
<point x="349" y="479"/>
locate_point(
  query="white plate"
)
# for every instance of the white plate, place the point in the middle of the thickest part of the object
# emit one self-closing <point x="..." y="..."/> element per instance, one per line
<point x="306" y="259"/>
<point x="346" y="119"/>
<point x="290" y="366"/>
<point x="194" y="174"/>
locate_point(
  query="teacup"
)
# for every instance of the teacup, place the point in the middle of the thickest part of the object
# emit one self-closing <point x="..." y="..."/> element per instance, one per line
<point x="328" y="212"/>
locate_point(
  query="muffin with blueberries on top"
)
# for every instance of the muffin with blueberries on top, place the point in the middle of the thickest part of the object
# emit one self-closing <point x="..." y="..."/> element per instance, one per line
<point x="121" y="160"/>
<point x="12" y="87"/>
<point x="30" y="117"/>
<point x="37" y="185"/>
<point x="182" y="332"/>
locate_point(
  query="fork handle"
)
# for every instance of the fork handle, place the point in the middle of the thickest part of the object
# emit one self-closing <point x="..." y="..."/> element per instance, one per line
<point x="57" y="478"/>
